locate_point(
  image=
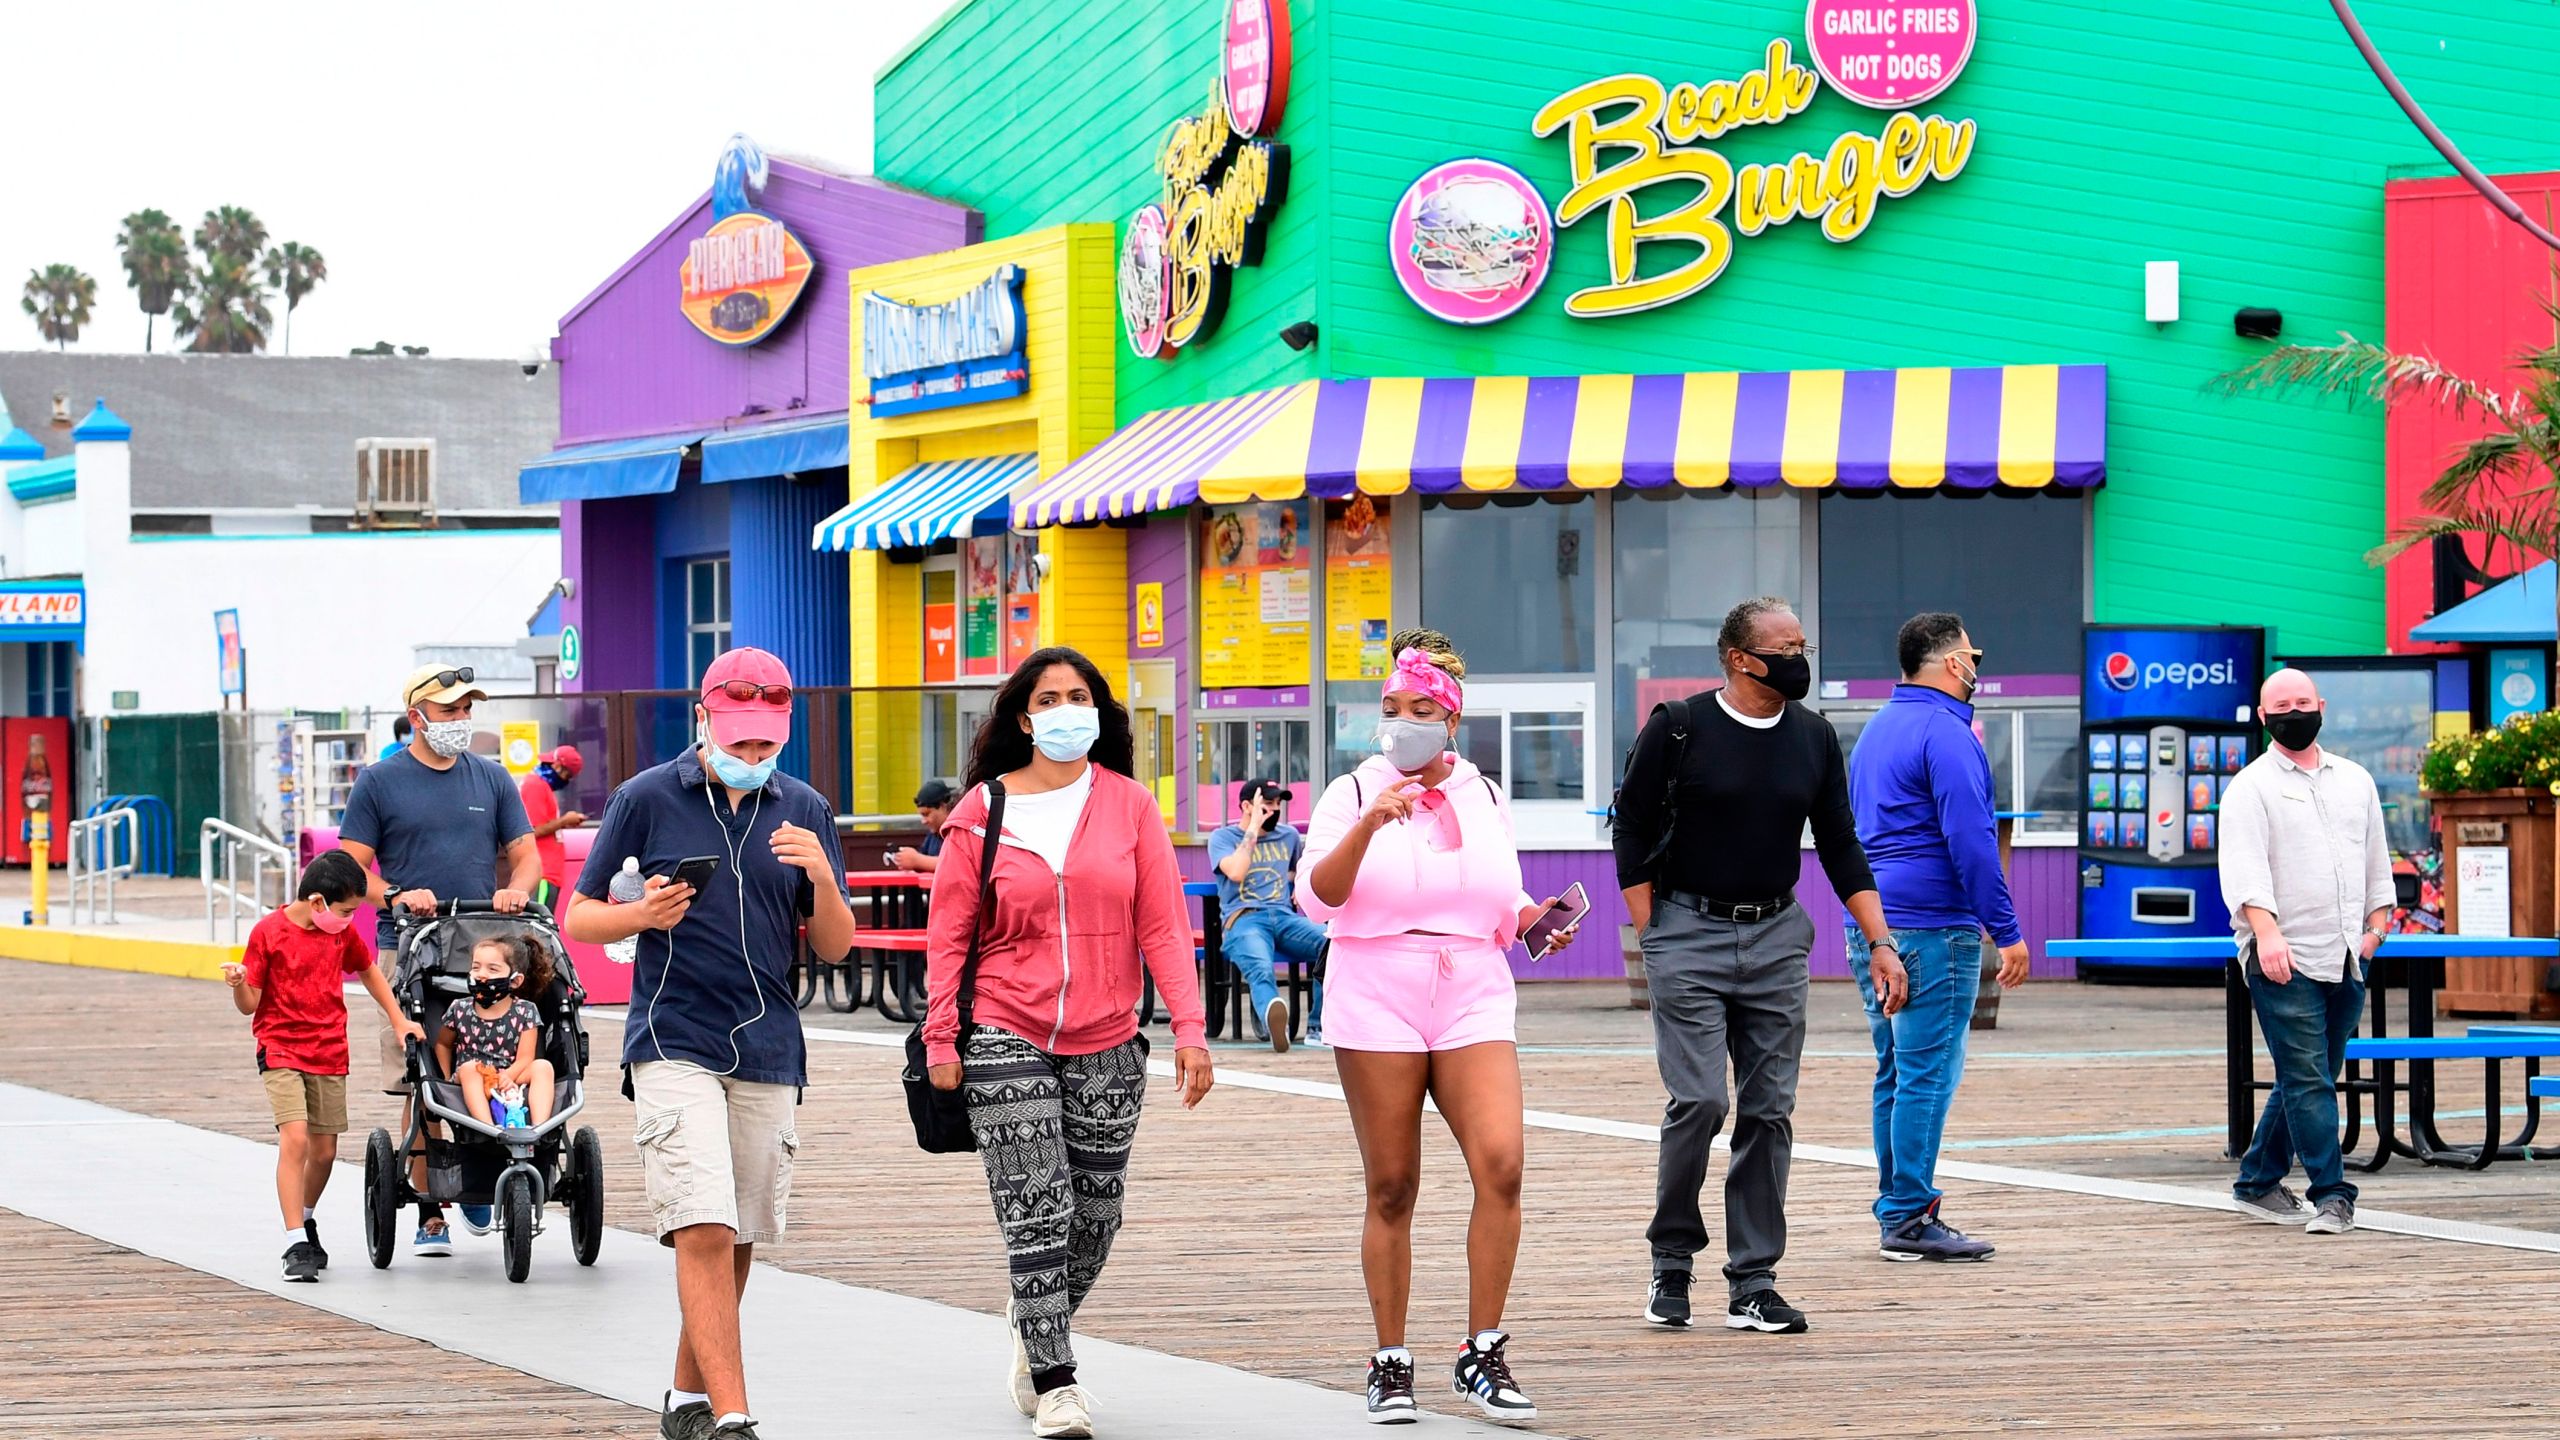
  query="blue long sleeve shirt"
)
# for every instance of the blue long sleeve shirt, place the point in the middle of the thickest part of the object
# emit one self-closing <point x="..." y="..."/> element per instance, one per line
<point x="1920" y="786"/>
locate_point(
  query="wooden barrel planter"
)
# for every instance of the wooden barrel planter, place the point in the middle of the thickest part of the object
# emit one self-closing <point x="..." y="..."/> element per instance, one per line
<point x="2519" y="822"/>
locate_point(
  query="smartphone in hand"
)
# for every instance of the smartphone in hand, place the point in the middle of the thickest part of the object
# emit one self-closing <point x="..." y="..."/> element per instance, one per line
<point x="1564" y="914"/>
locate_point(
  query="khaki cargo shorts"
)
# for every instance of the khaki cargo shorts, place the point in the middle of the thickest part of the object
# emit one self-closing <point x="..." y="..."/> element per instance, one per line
<point x="714" y="1150"/>
<point x="319" y="1101"/>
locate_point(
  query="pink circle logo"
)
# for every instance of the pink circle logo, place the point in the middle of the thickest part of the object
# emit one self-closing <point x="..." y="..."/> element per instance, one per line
<point x="1145" y="281"/>
<point x="1890" y="56"/>
<point x="1255" y="77"/>
<point x="1472" y="241"/>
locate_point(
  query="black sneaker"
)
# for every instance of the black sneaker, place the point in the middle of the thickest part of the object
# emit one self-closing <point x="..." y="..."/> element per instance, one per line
<point x="1926" y="1237"/>
<point x="302" y="1261"/>
<point x="1669" y="1302"/>
<point x="689" y="1421"/>
<point x="736" y="1430"/>
<point x="311" y="1232"/>
<point x="1391" y="1391"/>
<point x="1485" y="1377"/>
<point x="1764" y="1311"/>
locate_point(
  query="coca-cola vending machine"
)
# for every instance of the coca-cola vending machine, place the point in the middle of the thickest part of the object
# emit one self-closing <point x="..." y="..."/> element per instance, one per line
<point x="36" y="750"/>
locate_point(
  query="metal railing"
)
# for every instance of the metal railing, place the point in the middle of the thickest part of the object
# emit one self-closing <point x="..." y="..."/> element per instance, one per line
<point x="92" y="847"/>
<point x="229" y="844"/>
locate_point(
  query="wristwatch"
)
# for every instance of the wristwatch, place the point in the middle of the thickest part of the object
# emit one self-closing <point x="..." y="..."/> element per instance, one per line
<point x="1886" y="944"/>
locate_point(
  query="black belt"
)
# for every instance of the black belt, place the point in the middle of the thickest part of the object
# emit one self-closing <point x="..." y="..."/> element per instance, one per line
<point x="1745" y="912"/>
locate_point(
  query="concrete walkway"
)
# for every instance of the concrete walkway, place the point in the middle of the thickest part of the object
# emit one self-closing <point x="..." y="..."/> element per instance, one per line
<point x="823" y="1358"/>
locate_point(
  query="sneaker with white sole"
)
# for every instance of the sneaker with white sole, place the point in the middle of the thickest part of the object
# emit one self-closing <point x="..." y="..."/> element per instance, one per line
<point x="432" y="1240"/>
<point x="2279" y="1206"/>
<point x="2336" y="1216"/>
<point x="1391" y="1390"/>
<point x="1275" y="1023"/>
<point x="1026" y="1398"/>
<point x="1764" y="1311"/>
<point x="1926" y="1237"/>
<point x="1065" y="1413"/>
<point x="1484" y="1376"/>
<point x="477" y="1219"/>
<point x="1668" y="1301"/>
<point x="302" y="1262"/>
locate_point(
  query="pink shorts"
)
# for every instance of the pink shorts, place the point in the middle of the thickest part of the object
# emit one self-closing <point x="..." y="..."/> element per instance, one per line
<point x="1416" y="993"/>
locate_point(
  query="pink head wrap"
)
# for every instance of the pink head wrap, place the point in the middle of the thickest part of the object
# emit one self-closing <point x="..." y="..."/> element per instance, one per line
<point x="1416" y="675"/>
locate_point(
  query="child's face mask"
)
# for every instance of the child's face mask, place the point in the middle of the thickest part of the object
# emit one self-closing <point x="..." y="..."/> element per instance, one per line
<point x="492" y="989"/>
<point x="326" y="919"/>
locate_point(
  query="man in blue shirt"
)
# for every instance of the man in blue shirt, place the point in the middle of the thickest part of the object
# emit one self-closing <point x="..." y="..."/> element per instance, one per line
<point x="1256" y="882"/>
<point x="1920" y="786"/>
<point x="711" y="1049"/>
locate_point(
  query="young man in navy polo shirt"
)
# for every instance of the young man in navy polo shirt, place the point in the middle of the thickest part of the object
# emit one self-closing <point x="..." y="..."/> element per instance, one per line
<point x="712" y="1046"/>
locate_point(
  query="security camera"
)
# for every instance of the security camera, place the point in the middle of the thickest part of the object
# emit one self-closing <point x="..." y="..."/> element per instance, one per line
<point x="534" y="357"/>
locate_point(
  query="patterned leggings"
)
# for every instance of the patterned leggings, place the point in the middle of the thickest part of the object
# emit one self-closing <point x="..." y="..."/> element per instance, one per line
<point x="1054" y="1131"/>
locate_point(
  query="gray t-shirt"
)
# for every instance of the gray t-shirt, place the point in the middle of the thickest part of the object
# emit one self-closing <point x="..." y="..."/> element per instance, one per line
<point x="439" y="830"/>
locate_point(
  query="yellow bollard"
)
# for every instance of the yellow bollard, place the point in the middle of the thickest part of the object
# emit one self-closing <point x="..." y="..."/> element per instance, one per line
<point x="40" y="861"/>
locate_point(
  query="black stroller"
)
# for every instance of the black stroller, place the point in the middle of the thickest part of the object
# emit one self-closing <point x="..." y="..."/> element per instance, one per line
<point x="518" y="1172"/>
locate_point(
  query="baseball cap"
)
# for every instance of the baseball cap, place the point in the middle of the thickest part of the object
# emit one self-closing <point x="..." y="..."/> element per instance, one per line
<point x="1266" y="788"/>
<point x="568" y="761"/>
<point x="441" y="685"/>
<point x="734" y="720"/>
<point x="935" y="792"/>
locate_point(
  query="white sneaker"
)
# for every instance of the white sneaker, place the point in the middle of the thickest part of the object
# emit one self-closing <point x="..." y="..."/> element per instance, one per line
<point x="1066" y="1413"/>
<point x="1025" y="1399"/>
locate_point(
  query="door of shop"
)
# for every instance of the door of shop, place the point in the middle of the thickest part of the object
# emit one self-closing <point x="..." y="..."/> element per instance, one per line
<point x="176" y="757"/>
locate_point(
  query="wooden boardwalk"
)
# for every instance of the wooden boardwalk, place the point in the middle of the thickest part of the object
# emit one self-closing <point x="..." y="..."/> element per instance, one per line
<point x="2100" y="1318"/>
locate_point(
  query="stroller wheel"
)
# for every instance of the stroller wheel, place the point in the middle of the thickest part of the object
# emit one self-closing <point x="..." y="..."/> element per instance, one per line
<point x="586" y="1194"/>
<point x="381" y="1197"/>
<point x="515" y="1218"/>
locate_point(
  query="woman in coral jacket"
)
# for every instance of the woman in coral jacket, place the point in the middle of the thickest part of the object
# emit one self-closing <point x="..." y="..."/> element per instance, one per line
<point x="1411" y="859"/>
<point x="1085" y="890"/>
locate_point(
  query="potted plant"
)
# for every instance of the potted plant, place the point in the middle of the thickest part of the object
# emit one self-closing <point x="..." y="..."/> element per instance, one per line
<point x="2495" y="791"/>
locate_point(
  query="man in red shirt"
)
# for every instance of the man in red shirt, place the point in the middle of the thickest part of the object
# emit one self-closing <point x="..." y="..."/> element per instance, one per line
<point x="542" y="810"/>
<point x="291" y="983"/>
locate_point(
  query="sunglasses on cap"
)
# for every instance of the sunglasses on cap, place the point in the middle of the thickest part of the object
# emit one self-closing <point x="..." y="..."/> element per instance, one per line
<point x="748" y="691"/>
<point x="443" y="679"/>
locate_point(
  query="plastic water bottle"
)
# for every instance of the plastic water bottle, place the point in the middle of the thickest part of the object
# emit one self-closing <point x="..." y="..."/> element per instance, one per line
<point x="627" y="889"/>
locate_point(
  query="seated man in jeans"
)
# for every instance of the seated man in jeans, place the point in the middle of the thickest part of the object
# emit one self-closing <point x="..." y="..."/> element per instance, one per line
<point x="1256" y="877"/>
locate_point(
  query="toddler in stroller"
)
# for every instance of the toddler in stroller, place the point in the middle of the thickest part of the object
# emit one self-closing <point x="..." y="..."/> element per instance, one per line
<point x="491" y="1047"/>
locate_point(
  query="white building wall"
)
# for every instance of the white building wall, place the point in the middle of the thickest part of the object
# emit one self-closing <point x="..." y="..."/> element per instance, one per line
<point x="51" y="540"/>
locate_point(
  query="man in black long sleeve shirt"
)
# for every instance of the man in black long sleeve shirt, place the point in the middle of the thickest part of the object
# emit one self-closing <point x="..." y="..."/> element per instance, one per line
<point x="1725" y="946"/>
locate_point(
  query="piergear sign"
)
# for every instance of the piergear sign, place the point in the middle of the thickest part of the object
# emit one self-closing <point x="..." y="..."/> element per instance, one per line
<point x="959" y="352"/>
<point x="741" y="277"/>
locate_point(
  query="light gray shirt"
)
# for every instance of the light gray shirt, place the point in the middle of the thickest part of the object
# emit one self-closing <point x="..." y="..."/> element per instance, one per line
<point x="2307" y="847"/>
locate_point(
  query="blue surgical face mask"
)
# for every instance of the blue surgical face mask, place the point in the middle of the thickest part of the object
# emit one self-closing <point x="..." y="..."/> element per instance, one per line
<point x="737" y="774"/>
<point x="1066" y="732"/>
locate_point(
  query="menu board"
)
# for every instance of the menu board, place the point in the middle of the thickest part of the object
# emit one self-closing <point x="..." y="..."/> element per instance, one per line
<point x="1257" y="596"/>
<point x="1357" y="590"/>
<point x="982" y="605"/>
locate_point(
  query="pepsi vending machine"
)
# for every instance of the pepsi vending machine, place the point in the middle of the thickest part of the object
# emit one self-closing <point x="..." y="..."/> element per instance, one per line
<point x="2166" y="720"/>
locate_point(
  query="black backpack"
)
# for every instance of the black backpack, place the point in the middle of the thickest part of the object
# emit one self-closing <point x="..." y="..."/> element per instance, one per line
<point x="1678" y="710"/>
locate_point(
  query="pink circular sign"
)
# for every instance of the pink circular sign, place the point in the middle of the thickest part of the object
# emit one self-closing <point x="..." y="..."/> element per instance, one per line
<point x="1145" y="281"/>
<point x="1471" y="241"/>
<point x="1890" y="56"/>
<point x="1255" y="77"/>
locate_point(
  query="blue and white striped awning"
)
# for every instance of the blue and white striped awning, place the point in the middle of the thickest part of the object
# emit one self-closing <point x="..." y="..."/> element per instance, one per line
<point x="939" y="500"/>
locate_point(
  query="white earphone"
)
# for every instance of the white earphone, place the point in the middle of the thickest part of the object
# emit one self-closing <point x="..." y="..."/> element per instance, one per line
<point x="737" y="1053"/>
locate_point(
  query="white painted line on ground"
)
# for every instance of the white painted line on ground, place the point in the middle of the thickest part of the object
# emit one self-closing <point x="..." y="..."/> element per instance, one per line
<point x="2103" y="1187"/>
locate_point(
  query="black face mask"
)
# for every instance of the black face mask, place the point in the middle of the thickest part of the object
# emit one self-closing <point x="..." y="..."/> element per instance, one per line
<point x="490" y="992"/>
<point x="2295" y="729"/>
<point x="1790" y="675"/>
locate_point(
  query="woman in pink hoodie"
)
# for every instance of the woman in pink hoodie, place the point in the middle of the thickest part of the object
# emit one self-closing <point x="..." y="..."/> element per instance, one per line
<point x="1085" y="890"/>
<point x="1411" y="859"/>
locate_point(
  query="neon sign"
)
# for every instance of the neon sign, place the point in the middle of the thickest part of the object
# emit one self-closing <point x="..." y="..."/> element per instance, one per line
<point x="931" y="357"/>
<point x="1627" y="134"/>
<point x="1221" y="186"/>
<point x="1471" y="241"/>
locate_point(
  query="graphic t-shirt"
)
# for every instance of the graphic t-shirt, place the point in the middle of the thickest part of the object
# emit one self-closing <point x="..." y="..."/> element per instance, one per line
<point x="300" y="975"/>
<point x="492" y="1042"/>
<point x="1266" y="878"/>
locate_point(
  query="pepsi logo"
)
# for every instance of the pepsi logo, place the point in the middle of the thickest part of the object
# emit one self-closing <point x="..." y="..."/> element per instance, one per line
<point x="2121" y="672"/>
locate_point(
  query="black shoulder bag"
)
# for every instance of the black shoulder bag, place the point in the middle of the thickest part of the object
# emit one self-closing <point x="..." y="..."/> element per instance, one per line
<point x="1674" y="757"/>
<point x="942" y="1116"/>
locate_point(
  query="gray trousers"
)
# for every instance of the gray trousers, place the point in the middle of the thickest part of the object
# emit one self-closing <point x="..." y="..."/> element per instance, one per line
<point x="1720" y="987"/>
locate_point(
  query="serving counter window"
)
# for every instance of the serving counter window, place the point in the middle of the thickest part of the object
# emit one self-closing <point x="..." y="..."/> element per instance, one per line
<point x="2010" y="564"/>
<point x="2035" y="761"/>
<point x="1509" y="579"/>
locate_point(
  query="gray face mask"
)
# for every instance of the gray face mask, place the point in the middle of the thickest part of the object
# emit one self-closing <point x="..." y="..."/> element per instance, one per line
<point x="1411" y="745"/>
<point x="447" y="738"/>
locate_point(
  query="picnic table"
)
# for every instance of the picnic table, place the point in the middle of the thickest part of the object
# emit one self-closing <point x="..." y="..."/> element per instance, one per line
<point x="2412" y="964"/>
<point x="899" y="898"/>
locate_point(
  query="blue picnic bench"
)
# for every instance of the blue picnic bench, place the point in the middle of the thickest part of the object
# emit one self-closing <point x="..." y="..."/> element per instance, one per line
<point x="2413" y="965"/>
<point x="2489" y="1044"/>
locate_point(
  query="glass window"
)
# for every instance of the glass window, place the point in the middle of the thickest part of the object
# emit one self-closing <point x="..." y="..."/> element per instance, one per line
<point x="1509" y="580"/>
<point x="1681" y="562"/>
<point x="1229" y="752"/>
<point x="2009" y="564"/>
<point x="1352" y="711"/>
<point x="2049" y="757"/>
<point x="2383" y="719"/>
<point x="941" y="742"/>
<point x="706" y="584"/>
<point x="1547" y="754"/>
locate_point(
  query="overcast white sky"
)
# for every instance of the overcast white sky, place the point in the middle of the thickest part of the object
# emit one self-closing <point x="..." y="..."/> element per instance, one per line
<point x="469" y="169"/>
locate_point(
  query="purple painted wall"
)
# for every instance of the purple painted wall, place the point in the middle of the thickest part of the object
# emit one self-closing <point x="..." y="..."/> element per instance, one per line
<point x="607" y="547"/>
<point x="631" y="364"/>
<point x="1156" y="553"/>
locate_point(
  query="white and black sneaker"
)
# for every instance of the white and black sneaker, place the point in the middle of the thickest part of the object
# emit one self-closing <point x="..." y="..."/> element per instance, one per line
<point x="1668" y="1304"/>
<point x="2279" y="1206"/>
<point x="1764" y="1311"/>
<point x="1485" y="1377"/>
<point x="1391" y="1389"/>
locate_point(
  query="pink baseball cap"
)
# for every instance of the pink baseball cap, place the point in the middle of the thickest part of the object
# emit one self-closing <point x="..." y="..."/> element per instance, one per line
<point x="748" y="694"/>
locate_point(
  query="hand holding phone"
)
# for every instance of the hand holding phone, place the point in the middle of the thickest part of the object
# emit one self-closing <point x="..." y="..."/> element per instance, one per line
<point x="1554" y="927"/>
<point x="695" y="871"/>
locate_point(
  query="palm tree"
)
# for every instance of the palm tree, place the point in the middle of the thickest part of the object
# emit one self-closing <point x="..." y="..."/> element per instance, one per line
<point x="233" y="231"/>
<point x="154" y="251"/>
<point x="297" y="270"/>
<point x="230" y="315"/>
<point x="2501" y="486"/>
<point x="59" y="297"/>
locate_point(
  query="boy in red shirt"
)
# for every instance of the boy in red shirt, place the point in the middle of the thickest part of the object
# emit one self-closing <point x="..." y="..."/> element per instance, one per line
<point x="291" y="982"/>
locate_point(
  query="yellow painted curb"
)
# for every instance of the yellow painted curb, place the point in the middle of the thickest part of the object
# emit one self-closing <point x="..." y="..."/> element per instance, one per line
<point x="188" y="960"/>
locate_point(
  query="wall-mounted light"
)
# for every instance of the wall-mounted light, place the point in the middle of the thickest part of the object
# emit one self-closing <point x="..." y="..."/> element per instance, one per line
<point x="2160" y="291"/>
<point x="1040" y="566"/>
<point x="1300" y="335"/>
<point x="2255" y="322"/>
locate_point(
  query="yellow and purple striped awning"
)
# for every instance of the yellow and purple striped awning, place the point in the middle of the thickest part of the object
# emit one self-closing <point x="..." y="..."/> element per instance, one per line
<point x="2024" y="427"/>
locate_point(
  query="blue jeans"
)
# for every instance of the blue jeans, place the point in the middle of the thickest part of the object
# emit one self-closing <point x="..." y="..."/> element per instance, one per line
<point x="2306" y="1023"/>
<point x="1254" y="937"/>
<point x="1919" y="1059"/>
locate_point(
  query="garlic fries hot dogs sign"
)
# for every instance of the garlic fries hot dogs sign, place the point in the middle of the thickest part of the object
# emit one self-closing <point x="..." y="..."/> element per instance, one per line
<point x="1645" y="161"/>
